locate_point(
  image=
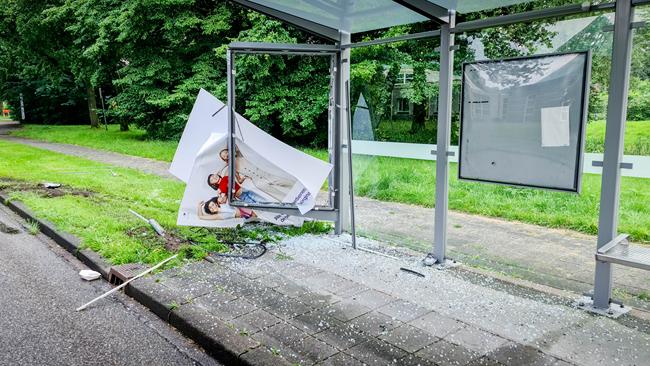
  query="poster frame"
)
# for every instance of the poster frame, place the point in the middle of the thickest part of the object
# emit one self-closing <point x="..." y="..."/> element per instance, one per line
<point x="329" y="212"/>
<point x="582" y="127"/>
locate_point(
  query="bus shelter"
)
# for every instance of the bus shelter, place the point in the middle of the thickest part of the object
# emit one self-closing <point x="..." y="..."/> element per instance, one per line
<point x="337" y="21"/>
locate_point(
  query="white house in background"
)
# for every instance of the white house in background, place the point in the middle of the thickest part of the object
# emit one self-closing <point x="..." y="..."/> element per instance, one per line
<point x="401" y="107"/>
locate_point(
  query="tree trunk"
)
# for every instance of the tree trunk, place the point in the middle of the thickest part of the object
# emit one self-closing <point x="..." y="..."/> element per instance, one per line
<point x="92" y="107"/>
<point x="419" y="117"/>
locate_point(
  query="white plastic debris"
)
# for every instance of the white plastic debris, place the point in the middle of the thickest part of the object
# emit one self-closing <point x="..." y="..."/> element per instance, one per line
<point x="51" y="185"/>
<point x="89" y="275"/>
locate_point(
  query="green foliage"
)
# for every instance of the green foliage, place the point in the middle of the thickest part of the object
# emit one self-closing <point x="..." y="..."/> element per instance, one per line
<point x="36" y="59"/>
<point x="638" y="105"/>
<point x="284" y="95"/>
<point x="151" y="57"/>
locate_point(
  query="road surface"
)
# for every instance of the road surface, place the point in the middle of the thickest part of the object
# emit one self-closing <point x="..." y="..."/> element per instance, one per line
<point x="39" y="291"/>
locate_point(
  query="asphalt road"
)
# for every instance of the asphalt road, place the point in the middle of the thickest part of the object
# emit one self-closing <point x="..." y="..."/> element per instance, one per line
<point x="39" y="291"/>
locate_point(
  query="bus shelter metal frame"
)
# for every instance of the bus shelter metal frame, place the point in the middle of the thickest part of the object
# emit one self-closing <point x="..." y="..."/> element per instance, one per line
<point x="616" y="112"/>
<point x="327" y="213"/>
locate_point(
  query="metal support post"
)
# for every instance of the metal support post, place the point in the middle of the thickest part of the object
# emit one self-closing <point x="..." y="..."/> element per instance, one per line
<point x="343" y="189"/>
<point x="614" y="140"/>
<point x="444" y="133"/>
<point x="231" y="117"/>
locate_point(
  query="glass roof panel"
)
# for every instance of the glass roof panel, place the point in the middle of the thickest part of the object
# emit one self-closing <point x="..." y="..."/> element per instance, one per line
<point x="470" y="6"/>
<point x="353" y="16"/>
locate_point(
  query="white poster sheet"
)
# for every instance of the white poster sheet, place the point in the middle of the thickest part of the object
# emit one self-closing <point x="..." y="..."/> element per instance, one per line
<point x="266" y="171"/>
<point x="205" y="202"/>
<point x="203" y="121"/>
<point x="556" y="130"/>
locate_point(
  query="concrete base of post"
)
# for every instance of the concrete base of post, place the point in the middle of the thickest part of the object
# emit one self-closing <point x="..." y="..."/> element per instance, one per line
<point x="614" y="311"/>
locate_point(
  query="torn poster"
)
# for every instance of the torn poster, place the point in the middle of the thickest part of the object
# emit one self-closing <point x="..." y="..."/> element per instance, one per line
<point x="266" y="171"/>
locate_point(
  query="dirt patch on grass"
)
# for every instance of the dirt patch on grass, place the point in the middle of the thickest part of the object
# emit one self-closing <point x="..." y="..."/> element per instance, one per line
<point x="41" y="189"/>
<point x="172" y="242"/>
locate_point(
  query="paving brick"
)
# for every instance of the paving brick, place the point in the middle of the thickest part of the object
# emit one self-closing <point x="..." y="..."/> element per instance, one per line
<point x="514" y="354"/>
<point x="299" y="270"/>
<point x="351" y="291"/>
<point x="341" y="359"/>
<point x="308" y="351"/>
<point x="265" y="298"/>
<point x="436" y="324"/>
<point x="314" y="322"/>
<point x="444" y="353"/>
<point x="273" y="280"/>
<point x="255" y="321"/>
<point x="372" y="298"/>
<point x="328" y="282"/>
<point x="291" y="289"/>
<point x="210" y="331"/>
<point x="262" y="356"/>
<point x="374" y="323"/>
<point x="403" y="310"/>
<point x="342" y="337"/>
<point x="408" y="338"/>
<point x="228" y="310"/>
<point x="484" y="361"/>
<point x="279" y="336"/>
<point x="377" y="352"/>
<point x="476" y="340"/>
<point x="412" y="360"/>
<point x="319" y="299"/>
<point x="287" y="308"/>
<point x="346" y="310"/>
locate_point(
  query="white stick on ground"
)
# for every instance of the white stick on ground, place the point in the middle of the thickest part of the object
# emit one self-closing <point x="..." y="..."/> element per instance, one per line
<point x="82" y="307"/>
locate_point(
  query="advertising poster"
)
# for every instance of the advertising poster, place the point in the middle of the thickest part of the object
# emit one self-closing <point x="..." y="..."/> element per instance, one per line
<point x="267" y="171"/>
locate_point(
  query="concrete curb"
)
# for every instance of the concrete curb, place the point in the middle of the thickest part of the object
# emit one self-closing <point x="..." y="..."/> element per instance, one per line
<point x="184" y="324"/>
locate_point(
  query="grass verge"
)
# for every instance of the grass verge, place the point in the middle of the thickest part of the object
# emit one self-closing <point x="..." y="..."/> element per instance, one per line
<point x="94" y="202"/>
<point x="133" y="142"/>
<point x="413" y="181"/>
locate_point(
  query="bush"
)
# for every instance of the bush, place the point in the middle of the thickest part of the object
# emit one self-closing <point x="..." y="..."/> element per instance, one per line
<point x="638" y="105"/>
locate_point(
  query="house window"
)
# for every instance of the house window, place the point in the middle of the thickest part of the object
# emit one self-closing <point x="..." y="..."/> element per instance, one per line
<point x="404" y="78"/>
<point x="403" y="105"/>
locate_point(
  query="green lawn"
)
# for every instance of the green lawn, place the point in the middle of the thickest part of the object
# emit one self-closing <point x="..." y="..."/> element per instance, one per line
<point x="133" y="142"/>
<point x="96" y="203"/>
<point x="413" y="181"/>
<point x="637" y="137"/>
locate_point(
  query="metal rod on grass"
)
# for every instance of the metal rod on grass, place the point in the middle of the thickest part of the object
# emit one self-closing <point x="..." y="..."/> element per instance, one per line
<point x="82" y="307"/>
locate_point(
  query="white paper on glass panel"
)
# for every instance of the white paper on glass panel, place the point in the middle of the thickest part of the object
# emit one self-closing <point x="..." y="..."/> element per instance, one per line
<point x="556" y="130"/>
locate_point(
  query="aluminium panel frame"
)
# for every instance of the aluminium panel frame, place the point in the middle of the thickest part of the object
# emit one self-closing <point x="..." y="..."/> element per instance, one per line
<point x="584" y="107"/>
<point x="327" y="213"/>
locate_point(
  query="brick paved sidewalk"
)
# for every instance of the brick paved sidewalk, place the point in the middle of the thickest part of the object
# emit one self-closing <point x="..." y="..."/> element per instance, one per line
<point x="314" y="300"/>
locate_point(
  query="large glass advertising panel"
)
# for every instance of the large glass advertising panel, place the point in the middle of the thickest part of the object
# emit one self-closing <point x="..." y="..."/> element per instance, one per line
<point x="523" y="121"/>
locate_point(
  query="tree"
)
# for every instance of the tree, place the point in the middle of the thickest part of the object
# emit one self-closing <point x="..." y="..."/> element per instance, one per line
<point x="36" y="62"/>
<point x="97" y="63"/>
